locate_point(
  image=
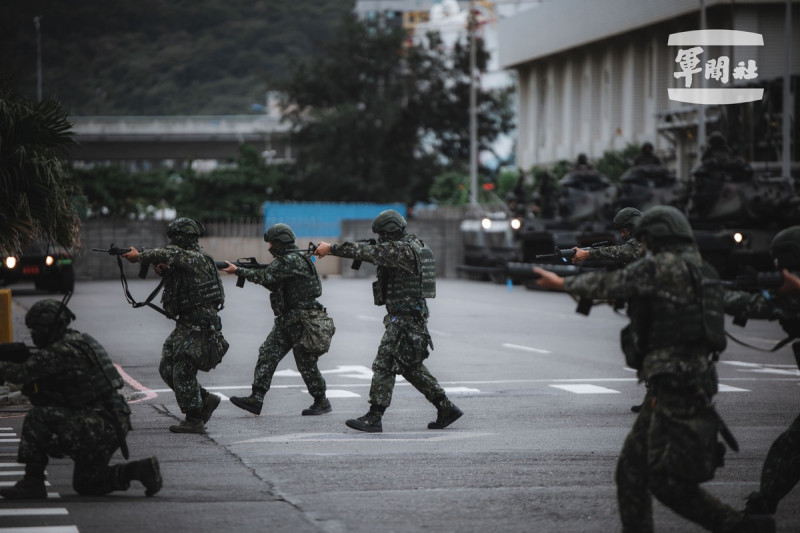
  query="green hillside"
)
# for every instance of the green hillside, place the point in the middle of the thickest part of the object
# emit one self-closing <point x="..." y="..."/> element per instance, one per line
<point x="152" y="57"/>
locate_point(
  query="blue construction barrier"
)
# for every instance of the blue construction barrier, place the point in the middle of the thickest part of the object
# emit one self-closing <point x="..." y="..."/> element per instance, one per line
<point x="321" y="219"/>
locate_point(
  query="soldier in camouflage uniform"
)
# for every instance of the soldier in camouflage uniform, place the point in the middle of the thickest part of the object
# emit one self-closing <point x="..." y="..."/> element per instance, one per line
<point x="193" y="296"/>
<point x="406" y="277"/>
<point x="77" y="410"/>
<point x="628" y="252"/>
<point x="781" y="470"/>
<point x="294" y="287"/>
<point x="675" y="334"/>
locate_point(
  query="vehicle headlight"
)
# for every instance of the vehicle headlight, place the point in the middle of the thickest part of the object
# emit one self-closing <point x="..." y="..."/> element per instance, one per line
<point x="49" y="260"/>
<point x="516" y="223"/>
<point x="11" y="262"/>
<point x="486" y="223"/>
<point x="738" y="237"/>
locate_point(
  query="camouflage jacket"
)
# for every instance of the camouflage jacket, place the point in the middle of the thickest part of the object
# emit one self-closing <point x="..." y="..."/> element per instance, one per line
<point x="192" y="286"/>
<point x="664" y="277"/>
<point x="294" y="282"/>
<point x="74" y="371"/>
<point x="766" y="305"/>
<point x="392" y="254"/>
<point x="621" y="255"/>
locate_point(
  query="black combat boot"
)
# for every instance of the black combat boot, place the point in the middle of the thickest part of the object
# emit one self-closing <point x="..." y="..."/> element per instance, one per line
<point x="319" y="407"/>
<point x="210" y="403"/>
<point x="636" y="408"/>
<point x="447" y="413"/>
<point x="249" y="403"/>
<point x="145" y="471"/>
<point x="252" y="403"/>
<point x="370" y="422"/>
<point x="30" y="487"/>
<point x="192" y="424"/>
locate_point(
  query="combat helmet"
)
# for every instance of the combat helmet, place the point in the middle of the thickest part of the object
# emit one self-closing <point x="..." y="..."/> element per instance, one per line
<point x="785" y="248"/>
<point x="627" y="217"/>
<point x="184" y="231"/>
<point x="661" y="224"/>
<point x="48" y="320"/>
<point x="281" y="233"/>
<point x="389" y="221"/>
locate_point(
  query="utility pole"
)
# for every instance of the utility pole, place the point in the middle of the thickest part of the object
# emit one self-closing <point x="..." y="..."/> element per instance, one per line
<point x="38" y="58"/>
<point x="786" y="131"/>
<point x="473" y="111"/>
<point x="701" y="108"/>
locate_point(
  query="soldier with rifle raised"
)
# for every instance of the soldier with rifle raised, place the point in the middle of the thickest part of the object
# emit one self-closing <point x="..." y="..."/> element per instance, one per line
<point x="77" y="409"/>
<point x="193" y="297"/>
<point x="774" y="296"/>
<point x="628" y="252"/>
<point x="675" y="335"/>
<point x="301" y="325"/>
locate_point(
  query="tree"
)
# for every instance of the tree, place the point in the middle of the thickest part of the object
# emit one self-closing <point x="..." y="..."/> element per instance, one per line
<point x="377" y="120"/>
<point x="230" y="192"/>
<point x="37" y="194"/>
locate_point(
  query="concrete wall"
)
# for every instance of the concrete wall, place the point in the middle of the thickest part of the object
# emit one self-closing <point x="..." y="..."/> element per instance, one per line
<point x="442" y="236"/>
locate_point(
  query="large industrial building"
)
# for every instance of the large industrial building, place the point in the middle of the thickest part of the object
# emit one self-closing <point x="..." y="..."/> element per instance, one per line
<point x="594" y="75"/>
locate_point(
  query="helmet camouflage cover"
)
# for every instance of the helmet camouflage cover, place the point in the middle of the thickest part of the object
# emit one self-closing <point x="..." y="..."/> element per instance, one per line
<point x="48" y="320"/>
<point x="279" y="233"/>
<point x="184" y="231"/>
<point x="627" y="218"/>
<point x="664" y="222"/>
<point x="785" y="248"/>
<point x="389" y="221"/>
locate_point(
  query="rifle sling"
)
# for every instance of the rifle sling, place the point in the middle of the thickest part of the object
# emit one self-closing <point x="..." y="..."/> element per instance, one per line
<point x="775" y="348"/>
<point x="148" y="301"/>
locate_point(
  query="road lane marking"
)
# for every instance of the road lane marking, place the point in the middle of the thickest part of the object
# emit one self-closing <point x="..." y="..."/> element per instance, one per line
<point x="13" y="473"/>
<point x="148" y="394"/>
<point x="12" y="483"/>
<point x="10" y="465"/>
<point x="728" y="388"/>
<point x="9" y="440"/>
<point x="339" y="393"/>
<point x="433" y="436"/>
<point x="40" y="529"/>
<point x="8" y="434"/>
<point x="585" y="388"/>
<point x="459" y="389"/>
<point x="34" y="511"/>
<point x="524" y="348"/>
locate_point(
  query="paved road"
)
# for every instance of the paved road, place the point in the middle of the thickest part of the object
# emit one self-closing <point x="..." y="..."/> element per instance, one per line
<point x="545" y="392"/>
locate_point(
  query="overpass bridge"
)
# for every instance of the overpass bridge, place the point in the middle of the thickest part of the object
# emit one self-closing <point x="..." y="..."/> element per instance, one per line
<point x="156" y="140"/>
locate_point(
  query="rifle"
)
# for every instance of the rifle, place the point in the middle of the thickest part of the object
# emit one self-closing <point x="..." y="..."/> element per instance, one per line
<point x="250" y="262"/>
<point x="565" y="255"/>
<point x="753" y="282"/>
<point x="525" y="271"/>
<point x="357" y="262"/>
<point x="113" y="250"/>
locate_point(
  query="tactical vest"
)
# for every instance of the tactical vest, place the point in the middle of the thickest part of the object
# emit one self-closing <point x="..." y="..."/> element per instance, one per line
<point x="199" y="286"/>
<point x="93" y="377"/>
<point x="398" y="284"/>
<point x="300" y="292"/>
<point x="700" y="322"/>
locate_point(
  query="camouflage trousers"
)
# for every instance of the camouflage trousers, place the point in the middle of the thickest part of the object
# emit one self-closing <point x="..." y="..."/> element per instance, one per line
<point x="637" y="481"/>
<point x="178" y="367"/>
<point x="781" y="470"/>
<point x="274" y="349"/>
<point x="403" y="349"/>
<point x="86" y="436"/>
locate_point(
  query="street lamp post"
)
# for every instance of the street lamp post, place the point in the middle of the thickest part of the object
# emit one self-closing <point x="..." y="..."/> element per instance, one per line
<point x="37" y="25"/>
<point x="473" y="112"/>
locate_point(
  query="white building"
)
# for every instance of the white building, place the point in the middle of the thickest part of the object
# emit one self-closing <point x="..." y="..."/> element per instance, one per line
<point x="593" y="75"/>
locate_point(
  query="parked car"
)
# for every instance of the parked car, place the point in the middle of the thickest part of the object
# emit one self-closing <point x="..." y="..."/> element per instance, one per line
<point x="49" y="267"/>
